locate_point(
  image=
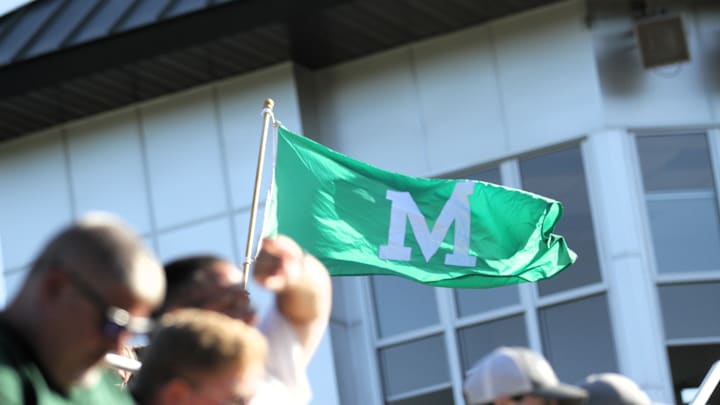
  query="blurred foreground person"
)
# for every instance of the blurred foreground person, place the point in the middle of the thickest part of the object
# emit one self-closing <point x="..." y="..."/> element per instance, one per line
<point x="517" y="376"/>
<point x="200" y="357"/>
<point x="614" y="389"/>
<point x="293" y="327"/>
<point x="90" y="288"/>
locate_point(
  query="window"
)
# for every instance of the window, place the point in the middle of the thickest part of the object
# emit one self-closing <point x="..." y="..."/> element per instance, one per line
<point x="560" y="175"/>
<point x="414" y="366"/>
<point x="477" y="340"/>
<point x="579" y="326"/>
<point x="428" y="338"/>
<point x="412" y="355"/>
<point x="402" y="305"/>
<point x="578" y="330"/>
<point x="690" y="310"/>
<point x="471" y="301"/>
<point x="681" y="202"/>
<point x="682" y="212"/>
<point x="689" y="364"/>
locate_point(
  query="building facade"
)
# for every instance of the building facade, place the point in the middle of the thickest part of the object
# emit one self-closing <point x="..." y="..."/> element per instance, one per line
<point x="554" y="100"/>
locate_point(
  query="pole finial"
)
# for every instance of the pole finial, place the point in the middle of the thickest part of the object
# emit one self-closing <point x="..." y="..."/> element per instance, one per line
<point x="269" y="103"/>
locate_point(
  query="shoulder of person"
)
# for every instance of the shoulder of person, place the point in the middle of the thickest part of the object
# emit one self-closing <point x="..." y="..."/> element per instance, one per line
<point x="106" y="389"/>
<point x="11" y="385"/>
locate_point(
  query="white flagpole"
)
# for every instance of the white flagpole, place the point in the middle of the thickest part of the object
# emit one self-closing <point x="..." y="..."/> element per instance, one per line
<point x="267" y="113"/>
<point x="708" y="385"/>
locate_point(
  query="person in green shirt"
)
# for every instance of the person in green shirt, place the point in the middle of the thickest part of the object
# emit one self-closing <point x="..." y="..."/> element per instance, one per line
<point x="91" y="287"/>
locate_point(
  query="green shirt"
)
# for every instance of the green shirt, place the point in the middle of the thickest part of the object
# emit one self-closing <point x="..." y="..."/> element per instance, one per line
<point x="22" y="381"/>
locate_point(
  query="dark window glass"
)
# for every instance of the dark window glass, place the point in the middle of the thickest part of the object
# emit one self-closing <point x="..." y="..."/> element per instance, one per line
<point x="414" y="365"/>
<point x="577" y="338"/>
<point x="474" y="301"/>
<point x="689" y="365"/>
<point x="675" y="162"/>
<point x="478" y="340"/>
<point x="402" y="305"/>
<point x="491" y="175"/>
<point x="681" y="202"/>
<point x="685" y="234"/>
<point x="690" y="310"/>
<point x="560" y="175"/>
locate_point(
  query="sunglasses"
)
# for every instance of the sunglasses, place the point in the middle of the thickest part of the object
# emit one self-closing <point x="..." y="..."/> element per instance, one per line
<point x="116" y="321"/>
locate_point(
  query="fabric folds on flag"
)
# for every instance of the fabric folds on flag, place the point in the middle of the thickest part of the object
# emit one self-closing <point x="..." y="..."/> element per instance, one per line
<point x="361" y="220"/>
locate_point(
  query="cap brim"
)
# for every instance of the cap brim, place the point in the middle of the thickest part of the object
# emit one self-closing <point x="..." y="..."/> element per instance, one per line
<point x="568" y="394"/>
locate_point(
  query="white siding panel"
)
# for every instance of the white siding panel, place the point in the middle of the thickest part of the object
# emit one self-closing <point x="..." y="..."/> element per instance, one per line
<point x="107" y="168"/>
<point x="370" y="111"/>
<point x="547" y="75"/>
<point x="184" y="158"/>
<point x="459" y="99"/>
<point x="34" y="196"/>
<point x="207" y="237"/>
<point x="240" y="104"/>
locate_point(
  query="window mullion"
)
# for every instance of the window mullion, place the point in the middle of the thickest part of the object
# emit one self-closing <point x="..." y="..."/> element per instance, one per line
<point x="713" y="137"/>
<point x="368" y="304"/>
<point x="446" y="309"/>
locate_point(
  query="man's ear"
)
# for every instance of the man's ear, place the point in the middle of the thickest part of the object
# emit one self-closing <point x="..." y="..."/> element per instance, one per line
<point x="176" y="391"/>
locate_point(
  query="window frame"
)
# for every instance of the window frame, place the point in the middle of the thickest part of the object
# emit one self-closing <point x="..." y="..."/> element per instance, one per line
<point x="529" y="306"/>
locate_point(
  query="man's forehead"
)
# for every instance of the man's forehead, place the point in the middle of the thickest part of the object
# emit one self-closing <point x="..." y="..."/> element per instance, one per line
<point x="234" y="275"/>
<point x="222" y="273"/>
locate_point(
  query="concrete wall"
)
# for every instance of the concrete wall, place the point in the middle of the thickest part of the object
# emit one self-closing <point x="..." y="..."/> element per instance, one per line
<point x="684" y="94"/>
<point x="467" y="98"/>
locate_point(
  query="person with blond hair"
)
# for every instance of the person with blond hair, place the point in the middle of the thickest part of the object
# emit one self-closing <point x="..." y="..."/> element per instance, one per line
<point x="293" y="326"/>
<point x="200" y="357"/>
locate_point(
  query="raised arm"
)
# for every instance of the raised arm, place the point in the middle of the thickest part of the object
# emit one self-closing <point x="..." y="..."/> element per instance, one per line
<point x="302" y="287"/>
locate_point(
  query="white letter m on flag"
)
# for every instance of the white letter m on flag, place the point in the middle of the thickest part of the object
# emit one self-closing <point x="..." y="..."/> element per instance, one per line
<point x="456" y="209"/>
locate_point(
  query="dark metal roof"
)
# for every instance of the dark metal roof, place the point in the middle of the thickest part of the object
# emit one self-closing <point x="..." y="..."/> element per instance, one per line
<point x="66" y="59"/>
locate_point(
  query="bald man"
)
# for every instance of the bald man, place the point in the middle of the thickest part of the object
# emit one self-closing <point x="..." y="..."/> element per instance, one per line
<point x="91" y="287"/>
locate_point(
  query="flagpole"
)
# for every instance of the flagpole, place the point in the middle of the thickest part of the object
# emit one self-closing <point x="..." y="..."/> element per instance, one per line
<point x="267" y="113"/>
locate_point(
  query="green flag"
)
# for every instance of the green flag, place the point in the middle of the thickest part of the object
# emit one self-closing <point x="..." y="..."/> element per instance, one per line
<point x="360" y="220"/>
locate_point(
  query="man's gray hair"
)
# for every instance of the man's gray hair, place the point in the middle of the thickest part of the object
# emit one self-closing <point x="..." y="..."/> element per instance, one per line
<point x="103" y="247"/>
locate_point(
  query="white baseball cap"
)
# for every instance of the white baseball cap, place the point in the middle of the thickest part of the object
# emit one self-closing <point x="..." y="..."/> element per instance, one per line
<point x="512" y="371"/>
<point x="614" y="389"/>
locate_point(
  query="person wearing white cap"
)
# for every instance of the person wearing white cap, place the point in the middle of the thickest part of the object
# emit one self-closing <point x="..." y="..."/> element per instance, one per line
<point x="517" y="376"/>
<point x="614" y="389"/>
